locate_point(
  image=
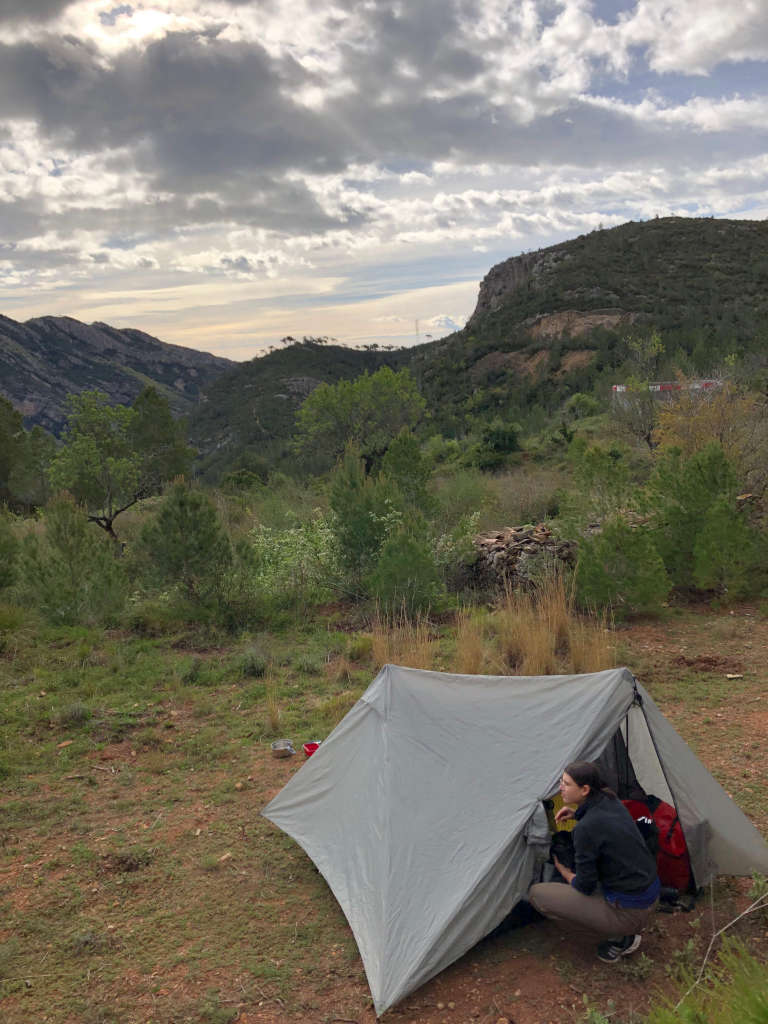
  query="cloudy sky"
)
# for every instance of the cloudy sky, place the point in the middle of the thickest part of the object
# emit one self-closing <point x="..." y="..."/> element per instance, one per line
<point x="221" y="173"/>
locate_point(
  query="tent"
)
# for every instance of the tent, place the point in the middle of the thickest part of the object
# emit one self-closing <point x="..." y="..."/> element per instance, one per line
<point x="420" y="808"/>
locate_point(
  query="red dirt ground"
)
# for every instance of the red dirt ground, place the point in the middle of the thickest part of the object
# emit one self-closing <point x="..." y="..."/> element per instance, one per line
<point x="532" y="975"/>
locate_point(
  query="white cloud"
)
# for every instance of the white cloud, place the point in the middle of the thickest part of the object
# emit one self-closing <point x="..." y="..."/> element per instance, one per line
<point x="694" y="36"/>
<point x="233" y="151"/>
<point x="700" y="114"/>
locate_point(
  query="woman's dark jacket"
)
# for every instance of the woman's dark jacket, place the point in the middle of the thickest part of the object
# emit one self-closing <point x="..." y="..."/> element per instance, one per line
<point x="609" y="848"/>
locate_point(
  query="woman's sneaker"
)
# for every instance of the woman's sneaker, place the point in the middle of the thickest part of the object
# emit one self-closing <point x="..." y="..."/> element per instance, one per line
<point x="610" y="951"/>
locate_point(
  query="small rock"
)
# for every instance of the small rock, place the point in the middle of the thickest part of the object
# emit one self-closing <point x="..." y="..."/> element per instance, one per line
<point x="238" y="785"/>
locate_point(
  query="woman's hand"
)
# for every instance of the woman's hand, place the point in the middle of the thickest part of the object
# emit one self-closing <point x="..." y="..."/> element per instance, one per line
<point x="565" y="814"/>
<point x="564" y="871"/>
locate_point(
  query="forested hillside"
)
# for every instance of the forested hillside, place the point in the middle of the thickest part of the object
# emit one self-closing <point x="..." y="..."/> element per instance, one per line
<point x="547" y="324"/>
<point x="556" y="321"/>
<point x="249" y="413"/>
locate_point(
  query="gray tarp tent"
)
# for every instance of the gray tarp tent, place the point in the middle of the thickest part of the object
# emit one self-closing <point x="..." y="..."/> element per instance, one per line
<point x="418" y="808"/>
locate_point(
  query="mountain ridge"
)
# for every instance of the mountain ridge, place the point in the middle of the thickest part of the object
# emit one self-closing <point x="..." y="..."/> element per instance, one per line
<point x="45" y="358"/>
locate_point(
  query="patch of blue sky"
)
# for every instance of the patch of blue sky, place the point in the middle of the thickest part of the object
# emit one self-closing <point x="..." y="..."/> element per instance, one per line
<point x="746" y="207"/>
<point x="610" y="11"/>
<point x="110" y="17"/>
<point x="549" y="11"/>
<point x="745" y="78"/>
<point x="124" y="242"/>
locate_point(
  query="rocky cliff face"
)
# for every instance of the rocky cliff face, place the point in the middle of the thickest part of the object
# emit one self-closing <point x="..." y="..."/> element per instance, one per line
<point x="45" y="359"/>
<point x="528" y="271"/>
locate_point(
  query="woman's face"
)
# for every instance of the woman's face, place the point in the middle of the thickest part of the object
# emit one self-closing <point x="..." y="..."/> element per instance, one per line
<point x="571" y="792"/>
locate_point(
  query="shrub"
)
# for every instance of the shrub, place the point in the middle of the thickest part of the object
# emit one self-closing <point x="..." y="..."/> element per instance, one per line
<point x="409" y="469"/>
<point x="9" y="550"/>
<point x="187" y="544"/>
<point x="71" y="573"/>
<point x="293" y="567"/>
<point x="620" y="568"/>
<point x="498" y="440"/>
<point x="253" y="665"/>
<point x="73" y="715"/>
<point x="683" y="491"/>
<point x="464" y="493"/>
<point x="603" y="486"/>
<point x="727" y="555"/>
<point x="360" y="648"/>
<point x="406" y="575"/>
<point x="365" y="511"/>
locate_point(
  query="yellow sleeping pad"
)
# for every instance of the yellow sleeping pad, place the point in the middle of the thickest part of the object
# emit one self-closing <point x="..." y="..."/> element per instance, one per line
<point x="562" y="826"/>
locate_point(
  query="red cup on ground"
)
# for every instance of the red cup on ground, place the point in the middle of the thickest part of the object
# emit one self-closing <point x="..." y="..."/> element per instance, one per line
<point x="310" y="748"/>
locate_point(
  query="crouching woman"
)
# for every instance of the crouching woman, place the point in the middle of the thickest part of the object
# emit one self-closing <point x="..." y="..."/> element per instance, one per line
<point x="614" y="888"/>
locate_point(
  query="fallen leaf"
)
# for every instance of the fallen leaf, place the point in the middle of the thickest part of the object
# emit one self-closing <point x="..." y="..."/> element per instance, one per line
<point x="66" y="743"/>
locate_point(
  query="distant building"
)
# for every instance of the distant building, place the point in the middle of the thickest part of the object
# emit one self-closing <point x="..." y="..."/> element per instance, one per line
<point x="666" y="389"/>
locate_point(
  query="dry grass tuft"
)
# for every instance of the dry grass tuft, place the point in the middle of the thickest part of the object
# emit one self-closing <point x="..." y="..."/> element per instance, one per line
<point x="591" y="643"/>
<point x="339" y="670"/>
<point x="533" y="627"/>
<point x="274" y="711"/>
<point x="472" y="656"/>
<point x="400" y="640"/>
<point x="540" y="634"/>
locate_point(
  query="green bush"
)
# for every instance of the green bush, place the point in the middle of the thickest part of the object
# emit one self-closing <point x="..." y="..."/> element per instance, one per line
<point x="682" y="492"/>
<point x="9" y="550"/>
<point x="253" y="664"/>
<point x="728" y="555"/>
<point x="365" y="511"/>
<point x="73" y="715"/>
<point x="602" y="487"/>
<point x="463" y="493"/>
<point x="409" y="469"/>
<point x="406" y="577"/>
<point x="620" y="567"/>
<point x="186" y="543"/>
<point x="71" y="573"/>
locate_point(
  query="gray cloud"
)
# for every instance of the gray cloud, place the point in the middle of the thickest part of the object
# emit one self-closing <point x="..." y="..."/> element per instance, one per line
<point x="197" y="109"/>
<point x="198" y="151"/>
<point x="18" y="11"/>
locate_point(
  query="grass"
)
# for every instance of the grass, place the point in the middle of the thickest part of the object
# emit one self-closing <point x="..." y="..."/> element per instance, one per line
<point x="539" y="633"/>
<point x="473" y="654"/>
<point x="400" y="640"/>
<point x="137" y="878"/>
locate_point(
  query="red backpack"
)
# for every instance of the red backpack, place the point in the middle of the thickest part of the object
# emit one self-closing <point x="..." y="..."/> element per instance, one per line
<point x="672" y="860"/>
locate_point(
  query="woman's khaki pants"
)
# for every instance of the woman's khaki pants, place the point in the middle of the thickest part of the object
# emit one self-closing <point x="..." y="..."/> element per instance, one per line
<point x="590" y="914"/>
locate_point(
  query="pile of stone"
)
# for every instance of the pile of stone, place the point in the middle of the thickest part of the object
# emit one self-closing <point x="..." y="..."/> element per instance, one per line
<point x="516" y="558"/>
